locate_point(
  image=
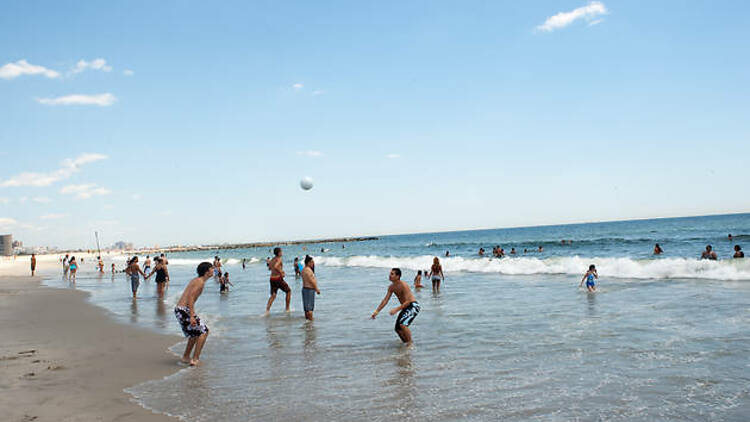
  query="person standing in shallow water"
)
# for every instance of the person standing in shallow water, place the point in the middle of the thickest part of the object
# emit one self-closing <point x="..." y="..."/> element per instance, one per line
<point x="277" y="280"/>
<point x="309" y="287"/>
<point x="589" y="277"/>
<point x="133" y="271"/>
<point x="436" y="274"/>
<point x="162" y="276"/>
<point x="192" y="327"/>
<point x="408" y="310"/>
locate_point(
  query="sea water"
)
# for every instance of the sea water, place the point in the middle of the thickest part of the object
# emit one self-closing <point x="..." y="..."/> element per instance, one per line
<point x="664" y="338"/>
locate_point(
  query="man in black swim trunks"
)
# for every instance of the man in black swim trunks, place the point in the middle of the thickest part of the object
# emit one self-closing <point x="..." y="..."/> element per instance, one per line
<point x="408" y="310"/>
<point x="277" y="280"/>
<point x="191" y="324"/>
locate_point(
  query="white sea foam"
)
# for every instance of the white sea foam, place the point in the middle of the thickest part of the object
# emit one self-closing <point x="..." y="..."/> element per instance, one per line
<point x="669" y="268"/>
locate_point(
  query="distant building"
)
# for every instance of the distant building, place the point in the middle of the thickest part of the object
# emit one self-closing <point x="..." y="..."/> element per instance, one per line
<point x="6" y="244"/>
<point x="17" y="244"/>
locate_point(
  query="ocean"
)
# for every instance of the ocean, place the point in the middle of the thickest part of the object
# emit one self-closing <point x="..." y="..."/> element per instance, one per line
<point x="665" y="337"/>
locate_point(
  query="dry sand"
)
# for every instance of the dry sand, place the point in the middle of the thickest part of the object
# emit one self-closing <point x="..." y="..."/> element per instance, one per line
<point x="63" y="359"/>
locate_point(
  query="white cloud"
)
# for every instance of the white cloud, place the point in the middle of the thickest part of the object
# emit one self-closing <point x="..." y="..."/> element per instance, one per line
<point x="4" y="200"/>
<point x="7" y="222"/>
<point x="85" y="191"/>
<point x="310" y="153"/>
<point x="563" y="19"/>
<point x="96" y="64"/>
<point x="318" y="92"/>
<point x="67" y="168"/>
<point x="596" y="22"/>
<point x="128" y="72"/>
<point x="135" y="196"/>
<point x="393" y="156"/>
<point x="298" y="86"/>
<point x="22" y="67"/>
<point x="52" y="216"/>
<point x="42" y="200"/>
<point x="101" y="100"/>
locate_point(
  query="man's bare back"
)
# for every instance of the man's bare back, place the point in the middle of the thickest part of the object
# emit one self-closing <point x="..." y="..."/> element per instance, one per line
<point x="192" y="291"/>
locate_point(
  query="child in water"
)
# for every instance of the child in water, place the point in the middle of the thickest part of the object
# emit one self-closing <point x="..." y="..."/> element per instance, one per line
<point x="418" y="280"/>
<point x="589" y="277"/>
<point x="224" y="283"/>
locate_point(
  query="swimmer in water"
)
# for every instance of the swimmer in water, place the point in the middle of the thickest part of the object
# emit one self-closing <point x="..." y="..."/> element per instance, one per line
<point x="224" y="283"/>
<point x="709" y="254"/>
<point x="738" y="252"/>
<point x="297" y="271"/>
<point x="658" y="250"/>
<point x="481" y="251"/>
<point x="408" y="310"/>
<point x="589" y="278"/>
<point x="512" y="251"/>
<point x="436" y="274"/>
<point x="418" y="280"/>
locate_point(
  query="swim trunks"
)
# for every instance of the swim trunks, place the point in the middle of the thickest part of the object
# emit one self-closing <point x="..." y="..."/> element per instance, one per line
<point x="279" y="283"/>
<point x="308" y="299"/>
<point x="407" y="315"/>
<point x="182" y="313"/>
<point x="135" y="281"/>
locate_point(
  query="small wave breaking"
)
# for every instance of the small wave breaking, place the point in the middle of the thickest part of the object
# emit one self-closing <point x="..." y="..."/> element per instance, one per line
<point x="667" y="268"/>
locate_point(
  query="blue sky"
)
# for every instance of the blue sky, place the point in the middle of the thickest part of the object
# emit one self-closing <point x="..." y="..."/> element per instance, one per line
<point x="200" y="118"/>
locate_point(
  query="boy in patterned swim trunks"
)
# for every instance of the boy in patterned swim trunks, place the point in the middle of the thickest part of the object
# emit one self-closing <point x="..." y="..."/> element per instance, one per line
<point x="191" y="324"/>
<point x="408" y="310"/>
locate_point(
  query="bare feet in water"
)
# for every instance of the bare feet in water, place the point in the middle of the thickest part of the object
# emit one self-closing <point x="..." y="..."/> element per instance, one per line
<point x="195" y="362"/>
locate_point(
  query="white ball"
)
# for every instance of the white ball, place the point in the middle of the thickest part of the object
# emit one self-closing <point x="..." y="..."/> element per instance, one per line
<point x="306" y="183"/>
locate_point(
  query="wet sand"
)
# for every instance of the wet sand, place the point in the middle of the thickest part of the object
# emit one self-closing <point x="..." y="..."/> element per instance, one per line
<point x="63" y="359"/>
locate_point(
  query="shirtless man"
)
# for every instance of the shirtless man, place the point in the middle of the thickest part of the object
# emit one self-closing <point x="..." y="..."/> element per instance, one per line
<point x="217" y="266"/>
<point x="191" y="324"/>
<point x="33" y="264"/>
<point x="147" y="264"/>
<point x="277" y="280"/>
<point x="408" y="310"/>
<point x="309" y="287"/>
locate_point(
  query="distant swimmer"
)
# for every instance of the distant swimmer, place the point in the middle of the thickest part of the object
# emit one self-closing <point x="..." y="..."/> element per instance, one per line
<point x="436" y="274"/>
<point x="113" y="268"/>
<point x="162" y="276"/>
<point x="164" y="259"/>
<point x="418" y="280"/>
<point x="243" y="263"/>
<point x="277" y="280"/>
<point x="658" y="250"/>
<point x="217" y="266"/>
<point x="224" y="283"/>
<point x="709" y="254"/>
<point x="481" y="251"/>
<point x="301" y="267"/>
<point x="589" y="278"/>
<point x="408" y="310"/>
<point x="73" y="269"/>
<point x="33" y="264"/>
<point x="134" y="270"/>
<point x="191" y="324"/>
<point x="447" y="253"/>
<point x="309" y="287"/>
<point x="729" y="237"/>
<point x="297" y="270"/>
<point x="512" y="251"/>
<point x="540" y="249"/>
<point x="501" y="253"/>
<point x="738" y="252"/>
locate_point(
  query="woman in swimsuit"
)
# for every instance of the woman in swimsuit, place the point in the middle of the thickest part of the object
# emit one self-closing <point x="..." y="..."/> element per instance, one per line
<point x="73" y="268"/>
<point x="589" y="277"/>
<point x="436" y="274"/>
<point x="162" y="276"/>
<point x="133" y="271"/>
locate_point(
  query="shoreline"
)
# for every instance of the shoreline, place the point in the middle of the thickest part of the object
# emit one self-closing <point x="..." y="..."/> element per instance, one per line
<point x="64" y="358"/>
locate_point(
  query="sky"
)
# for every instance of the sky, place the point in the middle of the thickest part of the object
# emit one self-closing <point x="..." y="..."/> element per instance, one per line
<point x="185" y="122"/>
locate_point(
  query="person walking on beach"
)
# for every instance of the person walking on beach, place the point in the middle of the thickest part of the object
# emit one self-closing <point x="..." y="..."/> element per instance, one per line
<point x="192" y="327"/>
<point x="33" y="264"/>
<point x="133" y="271"/>
<point x="66" y="266"/>
<point x="73" y="269"/>
<point x="408" y="310"/>
<point x="309" y="287"/>
<point x="709" y="254"/>
<point x="589" y="277"/>
<point x="436" y="274"/>
<point x="162" y="276"/>
<point x="277" y="280"/>
<point x="738" y="252"/>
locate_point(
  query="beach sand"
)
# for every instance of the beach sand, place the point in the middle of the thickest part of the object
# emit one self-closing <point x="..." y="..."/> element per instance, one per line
<point x="63" y="359"/>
